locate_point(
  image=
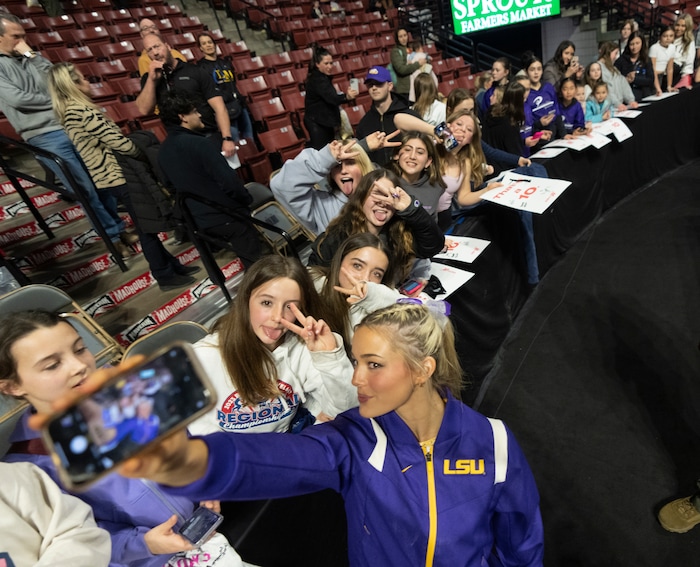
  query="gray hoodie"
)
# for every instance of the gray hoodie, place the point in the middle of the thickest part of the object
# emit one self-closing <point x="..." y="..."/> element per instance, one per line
<point x="301" y="187"/>
<point x="24" y="95"/>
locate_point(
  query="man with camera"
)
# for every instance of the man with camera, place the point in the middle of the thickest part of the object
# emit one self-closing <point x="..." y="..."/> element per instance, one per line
<point x="166" y="74"/>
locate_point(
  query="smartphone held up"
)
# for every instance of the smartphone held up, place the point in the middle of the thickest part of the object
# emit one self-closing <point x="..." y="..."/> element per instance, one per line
<point x="131" y="411"/>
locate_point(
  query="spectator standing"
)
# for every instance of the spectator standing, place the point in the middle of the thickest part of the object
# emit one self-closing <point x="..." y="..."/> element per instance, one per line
<point x="224" y="76"/>
<point x="166" y="74"/>
<point x="108" y="155"/>
<point x="322" y="106"/>
<point x="399" y="63"/>
<point x="25" y="100"/>
<point x="385" y="106"/>
<point x="147" y="27"/>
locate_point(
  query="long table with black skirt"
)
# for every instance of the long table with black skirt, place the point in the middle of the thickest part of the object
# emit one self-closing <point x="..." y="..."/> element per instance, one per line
<point x="665" y="136"/>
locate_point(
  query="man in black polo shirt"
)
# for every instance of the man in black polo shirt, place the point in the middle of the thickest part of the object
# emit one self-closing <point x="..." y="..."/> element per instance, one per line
<point x="166" y="74"/>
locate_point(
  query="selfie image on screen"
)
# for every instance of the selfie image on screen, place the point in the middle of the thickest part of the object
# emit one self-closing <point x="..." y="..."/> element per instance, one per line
<point x="114" y="423"/>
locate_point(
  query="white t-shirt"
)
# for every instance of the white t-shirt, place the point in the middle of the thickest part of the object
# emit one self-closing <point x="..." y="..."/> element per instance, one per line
<point x="662" y="55"/>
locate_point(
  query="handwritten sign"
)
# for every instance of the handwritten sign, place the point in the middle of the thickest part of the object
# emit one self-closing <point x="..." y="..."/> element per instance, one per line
<point x="533" y="194"/>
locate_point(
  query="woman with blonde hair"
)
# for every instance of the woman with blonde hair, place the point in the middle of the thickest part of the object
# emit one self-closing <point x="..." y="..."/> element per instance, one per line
<point x="409" y="430"/>
<point x="117" y="167"/>
<point x="429" y="104"/>
<point x="315" y="185"/>
<point x="685" y="49"/>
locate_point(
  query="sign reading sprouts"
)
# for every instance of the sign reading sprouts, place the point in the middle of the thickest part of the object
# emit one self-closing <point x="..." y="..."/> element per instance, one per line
<point x="476" y="15"/>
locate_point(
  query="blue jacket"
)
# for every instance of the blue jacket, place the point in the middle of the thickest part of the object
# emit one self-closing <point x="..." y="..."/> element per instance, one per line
<point x="483" y="496"/>
<point x="595" y="110"/>
<point x="127" y="508"/>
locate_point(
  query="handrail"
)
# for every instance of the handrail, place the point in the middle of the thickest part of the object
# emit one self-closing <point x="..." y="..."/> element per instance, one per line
<point x="77" y="193"/>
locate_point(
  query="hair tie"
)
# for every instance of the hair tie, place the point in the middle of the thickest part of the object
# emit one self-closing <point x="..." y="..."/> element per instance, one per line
<point x="439" y="308"/>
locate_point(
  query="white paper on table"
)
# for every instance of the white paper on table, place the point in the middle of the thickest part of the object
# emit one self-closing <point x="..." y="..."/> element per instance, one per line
<point x="662" y="96"/>
<point x="463" y="249"/>
<point x="450" y="278"/>
<point x="598" y="140"/>
<point x="614" y="126"/>
<point x="619" y="129"/>
<point x="578" y="143"/>
<point x="549" y="152"/>
<point x="629" y="113"/>
<point x="526" y="193"/>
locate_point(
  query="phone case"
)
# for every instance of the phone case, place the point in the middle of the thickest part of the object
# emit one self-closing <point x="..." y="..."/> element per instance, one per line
<point x="61" y="460"/>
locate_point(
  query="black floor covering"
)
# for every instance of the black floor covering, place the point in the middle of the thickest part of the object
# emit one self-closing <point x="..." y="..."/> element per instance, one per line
<point x="600" y="382"/>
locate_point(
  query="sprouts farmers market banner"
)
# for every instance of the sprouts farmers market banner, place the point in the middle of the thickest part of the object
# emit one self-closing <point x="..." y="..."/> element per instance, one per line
<point x="476" y="15"/>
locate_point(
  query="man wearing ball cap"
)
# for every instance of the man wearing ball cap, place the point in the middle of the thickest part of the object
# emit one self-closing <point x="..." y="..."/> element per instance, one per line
<point x="385" y="105"/>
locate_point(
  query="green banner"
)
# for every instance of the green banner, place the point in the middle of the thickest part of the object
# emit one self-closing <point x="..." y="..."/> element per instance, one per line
<point x="476" y="15"/>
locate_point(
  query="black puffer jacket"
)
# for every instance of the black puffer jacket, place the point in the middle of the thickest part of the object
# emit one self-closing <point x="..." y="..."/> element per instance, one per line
<point x="154" y="209"/>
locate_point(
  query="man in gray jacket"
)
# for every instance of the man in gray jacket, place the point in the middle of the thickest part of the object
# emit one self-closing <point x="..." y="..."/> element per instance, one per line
<point x="25" y="100"/>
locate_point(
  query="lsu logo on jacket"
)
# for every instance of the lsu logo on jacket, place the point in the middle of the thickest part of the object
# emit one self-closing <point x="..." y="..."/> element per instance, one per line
<point x="464" y="466"/>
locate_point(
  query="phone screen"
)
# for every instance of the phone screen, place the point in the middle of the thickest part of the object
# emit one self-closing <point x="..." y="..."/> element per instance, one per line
<point x="354" y="84"/>
<point x="200" y="525"/>
<point x="129" y="412"/>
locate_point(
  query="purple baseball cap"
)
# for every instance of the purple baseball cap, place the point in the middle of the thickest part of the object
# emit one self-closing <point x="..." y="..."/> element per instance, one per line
<point x="378" y="74"/>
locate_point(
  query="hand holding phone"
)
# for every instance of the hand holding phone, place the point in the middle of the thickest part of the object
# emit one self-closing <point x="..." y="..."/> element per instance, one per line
<point x="537" y="135"/>
<point x="355" y="84"/>
<point x="134" y="409"/>
<point x="200" y="526"/>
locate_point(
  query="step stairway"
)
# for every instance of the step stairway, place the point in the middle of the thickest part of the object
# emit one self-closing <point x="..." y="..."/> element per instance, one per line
<point x="126" y="304"/>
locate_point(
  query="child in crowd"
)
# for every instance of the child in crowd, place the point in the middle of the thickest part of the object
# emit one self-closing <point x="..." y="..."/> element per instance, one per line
<point x="598" y="105"/>
<point x="483" y="83"/>
<point x="258" y="358"/>
<point x="353" y="285"/>
<point x="662" y="55"/>
<point x="500" y="74"/>
<point x="581" y="96"/>
<point x="418" y="164"/>
<point x="418" y="54"/>
<point x="429" y="103"/>
<point x="573" y="115"/>
<point x="460" y="99"/>
<point x="42" y="358"/>
<point x="541" y="106"/>
<point x="591" y="76"/>
<point x="379" y="205"/>
<point x="408" y="382"/>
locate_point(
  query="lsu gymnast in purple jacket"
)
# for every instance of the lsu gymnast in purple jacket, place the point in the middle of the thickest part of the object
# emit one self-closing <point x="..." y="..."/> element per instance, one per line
<point x="425" y="479"/>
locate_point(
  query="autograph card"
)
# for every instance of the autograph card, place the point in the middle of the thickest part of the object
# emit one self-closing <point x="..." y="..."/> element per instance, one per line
<point x="463" y="249"/>
<point x="533" y="194"/>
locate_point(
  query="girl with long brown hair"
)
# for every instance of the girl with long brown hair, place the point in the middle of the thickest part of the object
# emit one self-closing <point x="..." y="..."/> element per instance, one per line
<point x="379" y="205"/>
<point x="265" y="367"/>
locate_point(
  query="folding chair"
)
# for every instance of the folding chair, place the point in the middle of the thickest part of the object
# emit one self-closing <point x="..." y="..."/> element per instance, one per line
<point x="203" y="240"/>
<point x="266" y="208"/>
<point x="187" y="331"/>
<point x="38" y="296"/>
